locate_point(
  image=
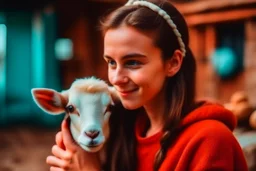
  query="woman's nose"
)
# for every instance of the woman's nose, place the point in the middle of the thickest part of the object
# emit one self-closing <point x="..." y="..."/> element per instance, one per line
<point x="118" y="77"/>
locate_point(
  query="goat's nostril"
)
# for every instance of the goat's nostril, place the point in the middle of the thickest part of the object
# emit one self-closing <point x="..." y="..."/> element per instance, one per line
<point x="92" y="134"/>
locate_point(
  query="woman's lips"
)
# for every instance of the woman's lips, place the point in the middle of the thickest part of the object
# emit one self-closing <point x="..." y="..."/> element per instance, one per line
<point x="127" y="92"/>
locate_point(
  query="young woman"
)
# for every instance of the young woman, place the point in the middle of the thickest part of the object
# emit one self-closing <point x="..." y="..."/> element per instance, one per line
<point x="158" y="125"/>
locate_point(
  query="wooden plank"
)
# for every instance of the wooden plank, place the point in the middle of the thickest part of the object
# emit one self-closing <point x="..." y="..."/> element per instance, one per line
<point x="210" y="40"/>
<point x="250" y="60"/>
<point x="201" y="6"/>
<point x="215" y="17"/>
<point x="109" y="1"/>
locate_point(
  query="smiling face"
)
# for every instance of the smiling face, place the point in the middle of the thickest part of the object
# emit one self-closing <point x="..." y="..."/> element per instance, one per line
<point x="135" y="67"/>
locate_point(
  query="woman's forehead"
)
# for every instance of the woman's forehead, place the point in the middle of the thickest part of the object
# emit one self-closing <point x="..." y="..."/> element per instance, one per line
<point x="127" y="39"/>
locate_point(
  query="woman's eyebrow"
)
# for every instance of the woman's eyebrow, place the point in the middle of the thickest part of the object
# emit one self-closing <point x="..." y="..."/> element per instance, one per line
<point x="106" y="57"/>
<point x="131" y="55"/>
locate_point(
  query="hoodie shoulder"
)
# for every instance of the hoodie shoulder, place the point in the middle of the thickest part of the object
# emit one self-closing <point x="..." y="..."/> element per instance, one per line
<point x="208" y="112"/>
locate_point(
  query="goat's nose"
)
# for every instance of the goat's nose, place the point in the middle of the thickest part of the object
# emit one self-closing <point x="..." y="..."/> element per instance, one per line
<point x="92" y="133"/>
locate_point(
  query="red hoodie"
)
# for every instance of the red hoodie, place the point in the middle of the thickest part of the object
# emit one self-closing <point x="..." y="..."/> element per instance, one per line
<point x="205" y="143"/>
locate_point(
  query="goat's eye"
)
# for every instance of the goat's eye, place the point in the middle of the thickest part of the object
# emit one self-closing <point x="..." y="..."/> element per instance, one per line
<point x="70" y="108"/>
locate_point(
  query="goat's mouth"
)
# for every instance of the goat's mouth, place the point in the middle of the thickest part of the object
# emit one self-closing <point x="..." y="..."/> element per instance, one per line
<point x="91" y="144"/>
<point x="91" y="147"/>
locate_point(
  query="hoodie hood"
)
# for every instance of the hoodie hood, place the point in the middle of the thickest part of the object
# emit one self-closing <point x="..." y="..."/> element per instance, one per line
<point x="210" y="111"/>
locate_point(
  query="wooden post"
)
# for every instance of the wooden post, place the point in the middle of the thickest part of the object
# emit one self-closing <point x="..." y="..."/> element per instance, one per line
<point x="250" y="60"/>
<point x="203" y="43"/>
<point x="210" y="45"/>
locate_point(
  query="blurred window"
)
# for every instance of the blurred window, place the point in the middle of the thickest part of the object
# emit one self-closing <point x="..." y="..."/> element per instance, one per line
<point x="231" y="36"/>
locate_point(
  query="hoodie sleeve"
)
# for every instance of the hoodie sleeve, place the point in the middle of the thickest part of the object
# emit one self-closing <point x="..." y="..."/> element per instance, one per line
<point x="216" y="149"/>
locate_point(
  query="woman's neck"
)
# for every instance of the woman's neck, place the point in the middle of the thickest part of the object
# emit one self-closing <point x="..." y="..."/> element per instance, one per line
<point x="156" y="119"/>
<point x="155" y="110"/>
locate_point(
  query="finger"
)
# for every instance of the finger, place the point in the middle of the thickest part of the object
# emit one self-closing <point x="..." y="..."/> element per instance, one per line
<point x="60" y="153"/>
<point x="59" y="140"/>
<point x="66" y="135"/>
<point x="56" y="162"/>
<point x="56" y="169"/>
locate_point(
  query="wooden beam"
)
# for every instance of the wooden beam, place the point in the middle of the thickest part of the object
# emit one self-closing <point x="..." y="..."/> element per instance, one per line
<point x="216" y="17"/>
<point x="203" y="5"/>
<point x="210" y="40"/>
<point x="109" y="1"/>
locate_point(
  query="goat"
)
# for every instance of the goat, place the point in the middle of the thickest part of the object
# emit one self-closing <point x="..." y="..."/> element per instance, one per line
<point x="87" y="102"/>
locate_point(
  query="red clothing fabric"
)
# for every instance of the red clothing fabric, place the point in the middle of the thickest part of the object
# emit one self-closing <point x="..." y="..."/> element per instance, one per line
<point x="206" y="143"/>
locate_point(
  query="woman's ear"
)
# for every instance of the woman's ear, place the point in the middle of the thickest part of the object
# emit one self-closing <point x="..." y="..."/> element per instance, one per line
<point x="173" y="64"/>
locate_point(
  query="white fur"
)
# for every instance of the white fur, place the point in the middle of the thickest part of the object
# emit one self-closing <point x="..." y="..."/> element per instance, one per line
<point x="90" y="97"/>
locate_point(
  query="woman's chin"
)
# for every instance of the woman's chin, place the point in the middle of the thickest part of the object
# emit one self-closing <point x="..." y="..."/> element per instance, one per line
<point x="130" y="106"/>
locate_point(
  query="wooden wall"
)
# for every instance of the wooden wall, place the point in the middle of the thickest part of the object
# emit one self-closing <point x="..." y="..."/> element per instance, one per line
<point x="203" y="18"/>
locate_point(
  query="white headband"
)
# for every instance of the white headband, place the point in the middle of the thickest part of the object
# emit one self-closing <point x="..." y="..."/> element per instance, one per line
<point x="162" y="13"/>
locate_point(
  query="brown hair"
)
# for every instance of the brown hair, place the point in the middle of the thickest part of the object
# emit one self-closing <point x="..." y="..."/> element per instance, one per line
<point x="180" y="91"/>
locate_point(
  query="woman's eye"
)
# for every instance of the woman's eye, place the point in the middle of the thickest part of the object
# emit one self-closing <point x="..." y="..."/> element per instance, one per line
<point x="111" y="63"/>
<point x="70" y="108"/>
<point x="133" y="63"/>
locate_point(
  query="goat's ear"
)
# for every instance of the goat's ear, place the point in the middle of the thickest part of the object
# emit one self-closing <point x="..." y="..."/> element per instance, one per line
<point x="114" y="95"/>
<point x="49" y="100"/>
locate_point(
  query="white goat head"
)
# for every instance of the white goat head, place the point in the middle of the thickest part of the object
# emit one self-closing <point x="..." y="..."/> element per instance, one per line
<point x="87" y="103"/>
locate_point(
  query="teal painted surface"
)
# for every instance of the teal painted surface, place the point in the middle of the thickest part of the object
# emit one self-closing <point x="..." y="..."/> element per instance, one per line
<point x="30" y="62"/>
<point x="52" y="63"/>
<point x="38" y="53"/>
<point x="52" y="67"/>
<point x="45" y="71"/>
<point x="18" y="66"/>
<point x="3" y="38"/>
<point x="2" y="18"/>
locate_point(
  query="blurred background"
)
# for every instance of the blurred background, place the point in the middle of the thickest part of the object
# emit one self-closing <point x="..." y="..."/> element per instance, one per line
<point x="50" y="43"/>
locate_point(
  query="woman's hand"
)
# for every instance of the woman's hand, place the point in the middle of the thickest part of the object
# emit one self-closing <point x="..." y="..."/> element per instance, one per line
<point x="69" y="156"/>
